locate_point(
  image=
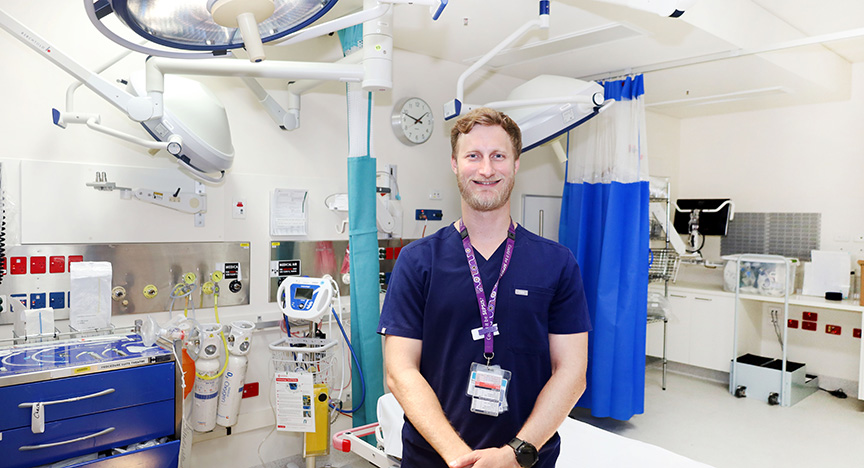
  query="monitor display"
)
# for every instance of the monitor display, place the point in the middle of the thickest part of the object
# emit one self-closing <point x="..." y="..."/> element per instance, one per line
<point x="710" y="224"/>
<point x="303" y="293"/>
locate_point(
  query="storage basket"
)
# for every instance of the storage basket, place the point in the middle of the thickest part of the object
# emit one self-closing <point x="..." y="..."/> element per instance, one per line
<point x="664" y="265"/>
<point x="305" y="355"/>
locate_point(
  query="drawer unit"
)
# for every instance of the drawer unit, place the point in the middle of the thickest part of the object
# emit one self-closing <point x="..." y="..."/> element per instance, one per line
<point x="21" y="448"/>
<point x="68" y="399"/>
<point x="161" y="456"/>
<point x="86" y="394"/>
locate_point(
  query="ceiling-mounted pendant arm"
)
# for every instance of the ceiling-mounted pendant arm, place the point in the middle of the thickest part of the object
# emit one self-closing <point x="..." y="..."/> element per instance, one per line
<point x="286" y="120"/>
<point x="138" y="109"/>
<point x="454" y="108"/>
<point x="436" y="7"/>
<point x="70" y="91"/>
<point x="332" y="26"/>
<point x="158" y="67"/>
<point x="173" y="145"/>
<point x="542" y="23"/>
<point x="289" y="119"/>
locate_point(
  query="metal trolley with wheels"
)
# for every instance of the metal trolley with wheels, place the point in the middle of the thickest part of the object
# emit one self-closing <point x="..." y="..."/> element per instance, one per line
<point x="778" y="381"/>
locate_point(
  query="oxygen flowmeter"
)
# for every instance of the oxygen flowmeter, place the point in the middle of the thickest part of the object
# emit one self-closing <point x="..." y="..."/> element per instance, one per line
<point x="304" y="298"/>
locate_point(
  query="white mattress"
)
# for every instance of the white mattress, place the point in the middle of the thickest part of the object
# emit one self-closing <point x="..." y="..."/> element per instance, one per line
<point x="586" y="446"/>
<point x="582" y="445"/>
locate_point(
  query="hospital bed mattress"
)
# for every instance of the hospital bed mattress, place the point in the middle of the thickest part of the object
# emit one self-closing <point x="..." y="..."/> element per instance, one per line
<point x="582" y="445"/>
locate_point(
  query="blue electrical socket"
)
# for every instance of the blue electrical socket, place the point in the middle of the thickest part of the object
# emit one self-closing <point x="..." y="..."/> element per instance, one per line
<point x="429" y="215"/>
<point x="37" y="300"/>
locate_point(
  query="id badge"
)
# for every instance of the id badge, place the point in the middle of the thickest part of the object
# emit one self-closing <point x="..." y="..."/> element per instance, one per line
<point x="487" y="387"/>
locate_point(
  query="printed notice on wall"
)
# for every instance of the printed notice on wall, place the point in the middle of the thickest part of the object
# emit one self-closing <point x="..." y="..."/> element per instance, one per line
<point x="294" y="409"/>
<point x="288" y="216"/>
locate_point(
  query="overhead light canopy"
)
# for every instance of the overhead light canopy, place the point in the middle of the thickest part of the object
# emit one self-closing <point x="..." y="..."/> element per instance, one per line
<point x="562" y="104"/>
<point x="190" y="24"/>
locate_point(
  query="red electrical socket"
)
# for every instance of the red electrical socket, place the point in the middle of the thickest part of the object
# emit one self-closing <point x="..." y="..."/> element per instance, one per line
<point x="832" y="329"/>
<point x="250" y="389"/>
<point x="37" y="265"/>
<point x="811" y="326"/>
<point x="811" y="316"/>
<point x="792" y="323"/>
<point x="856" y="333"/>
<point x="18" y="265"/>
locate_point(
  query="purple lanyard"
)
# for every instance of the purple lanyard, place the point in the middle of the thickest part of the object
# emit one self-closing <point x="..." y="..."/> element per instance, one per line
<point x="487" y="314"/>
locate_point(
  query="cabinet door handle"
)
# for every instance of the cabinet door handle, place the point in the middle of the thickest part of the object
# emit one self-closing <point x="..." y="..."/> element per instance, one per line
<point x="25" y="448"/>
<point x="676" y="295"/>
<point x="69" y="400"/>
<point x="703" y="299"/>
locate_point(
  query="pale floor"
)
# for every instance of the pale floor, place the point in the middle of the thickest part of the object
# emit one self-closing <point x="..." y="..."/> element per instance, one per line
<point x="699" y="419"/>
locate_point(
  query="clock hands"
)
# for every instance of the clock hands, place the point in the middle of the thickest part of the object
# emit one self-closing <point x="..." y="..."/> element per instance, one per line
<point x="415" y="119"/>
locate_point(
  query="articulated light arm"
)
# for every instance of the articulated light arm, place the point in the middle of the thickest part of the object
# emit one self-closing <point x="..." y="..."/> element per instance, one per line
<point x="436" y="7"/>
<point x="332" y="26"/>
<point x="138" y="109"/>
<point x="455" y="108"/>
<point x="290" y="119"/>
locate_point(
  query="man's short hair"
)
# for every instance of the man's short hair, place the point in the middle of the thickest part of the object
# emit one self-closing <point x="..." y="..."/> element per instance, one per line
<point x="487" y="117"/>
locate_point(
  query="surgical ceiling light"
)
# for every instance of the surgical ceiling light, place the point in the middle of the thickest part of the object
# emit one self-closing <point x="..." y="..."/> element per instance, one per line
<point x="193" y="128"/>
<point x="214" y="26"/>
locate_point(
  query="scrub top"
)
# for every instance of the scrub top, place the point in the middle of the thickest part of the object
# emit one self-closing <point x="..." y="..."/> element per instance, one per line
<point x="431" y="298"/>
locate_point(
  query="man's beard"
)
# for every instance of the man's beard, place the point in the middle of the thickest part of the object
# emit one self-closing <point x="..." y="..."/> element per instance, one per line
<point x="483" y="201"/>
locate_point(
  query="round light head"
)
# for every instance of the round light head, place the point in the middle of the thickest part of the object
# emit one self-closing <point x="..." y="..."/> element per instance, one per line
<point x="189" y="24"/>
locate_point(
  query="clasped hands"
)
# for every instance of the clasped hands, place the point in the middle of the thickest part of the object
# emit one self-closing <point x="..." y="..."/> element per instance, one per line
<point x="500" y="457"/>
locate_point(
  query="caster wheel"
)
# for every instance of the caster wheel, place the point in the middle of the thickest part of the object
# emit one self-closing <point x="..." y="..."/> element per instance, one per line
<point x="773" y="399"/>
<point x="741" y="391"/>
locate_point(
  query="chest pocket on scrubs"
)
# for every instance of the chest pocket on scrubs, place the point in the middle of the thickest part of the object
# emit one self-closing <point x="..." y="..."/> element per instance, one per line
<point x="529" y="311"/>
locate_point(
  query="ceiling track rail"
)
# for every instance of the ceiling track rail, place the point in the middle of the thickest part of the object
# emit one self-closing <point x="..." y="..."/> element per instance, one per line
<point x="734" y="53"/>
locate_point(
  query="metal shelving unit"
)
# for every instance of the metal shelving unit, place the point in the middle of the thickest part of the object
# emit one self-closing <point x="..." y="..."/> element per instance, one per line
<point x="664" y="262"/>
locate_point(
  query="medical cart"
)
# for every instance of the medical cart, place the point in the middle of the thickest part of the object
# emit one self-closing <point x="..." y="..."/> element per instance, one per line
<point x="96" y="397"/>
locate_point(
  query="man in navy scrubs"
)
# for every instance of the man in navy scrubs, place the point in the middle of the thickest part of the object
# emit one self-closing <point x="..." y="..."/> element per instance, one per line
<point x="485" y="323"/>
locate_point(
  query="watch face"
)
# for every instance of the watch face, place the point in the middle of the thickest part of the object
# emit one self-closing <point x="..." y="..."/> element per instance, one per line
<point x="526" y="454"/>
<point x="412" y="121"/>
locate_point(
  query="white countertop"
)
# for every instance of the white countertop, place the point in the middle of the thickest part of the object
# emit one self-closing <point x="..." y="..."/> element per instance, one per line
<point x="849" y="305"/>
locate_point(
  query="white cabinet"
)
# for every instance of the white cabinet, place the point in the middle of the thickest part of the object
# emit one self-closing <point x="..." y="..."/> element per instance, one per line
<point x="699" y="331"/>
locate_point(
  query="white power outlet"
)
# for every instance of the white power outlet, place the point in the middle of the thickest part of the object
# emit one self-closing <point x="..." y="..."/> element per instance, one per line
<point x="238" y="208"/>
<point x="435" y="195"/>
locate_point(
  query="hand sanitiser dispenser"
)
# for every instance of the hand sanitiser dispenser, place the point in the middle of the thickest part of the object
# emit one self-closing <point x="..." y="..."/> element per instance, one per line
<point x="304" y="298"/>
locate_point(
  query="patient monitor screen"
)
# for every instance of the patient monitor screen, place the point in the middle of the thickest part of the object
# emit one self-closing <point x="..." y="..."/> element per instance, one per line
<point x="303" y="293"/>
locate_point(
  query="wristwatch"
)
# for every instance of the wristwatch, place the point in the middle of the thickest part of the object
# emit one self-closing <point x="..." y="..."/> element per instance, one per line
<point x="526" y="454"/>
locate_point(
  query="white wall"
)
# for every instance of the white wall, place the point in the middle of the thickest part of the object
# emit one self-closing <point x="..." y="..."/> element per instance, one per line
<point x="796" y="159"/>
<point x="45" y="170"/>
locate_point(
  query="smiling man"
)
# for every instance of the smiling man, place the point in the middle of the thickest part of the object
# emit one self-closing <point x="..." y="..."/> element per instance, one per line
<point x="485" y="323"/>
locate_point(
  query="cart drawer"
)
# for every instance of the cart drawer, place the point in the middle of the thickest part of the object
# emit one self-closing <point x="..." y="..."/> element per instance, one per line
<point x="105" y="391"/>
<point x="22" y="448"/>
<point x="162" y="456"/>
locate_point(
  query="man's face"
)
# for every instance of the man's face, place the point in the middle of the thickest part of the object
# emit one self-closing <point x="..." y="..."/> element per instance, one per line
<point x="485" y="166"/>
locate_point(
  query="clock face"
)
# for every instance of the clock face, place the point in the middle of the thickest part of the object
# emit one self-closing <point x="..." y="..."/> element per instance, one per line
<point x="412" y="121"/>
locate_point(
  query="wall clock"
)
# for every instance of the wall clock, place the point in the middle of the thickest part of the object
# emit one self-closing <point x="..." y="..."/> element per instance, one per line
<point x="412" y="121"/>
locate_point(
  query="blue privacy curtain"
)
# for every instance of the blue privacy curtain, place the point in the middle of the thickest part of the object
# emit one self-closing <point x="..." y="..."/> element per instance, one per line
<point x="604" y="221"/>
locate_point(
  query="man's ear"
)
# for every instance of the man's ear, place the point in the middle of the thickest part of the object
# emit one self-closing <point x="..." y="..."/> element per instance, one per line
<point x="453" y="164"/>
<point x="516" y="166"/>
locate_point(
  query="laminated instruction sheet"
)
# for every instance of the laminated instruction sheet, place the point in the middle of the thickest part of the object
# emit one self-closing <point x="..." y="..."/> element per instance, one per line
<point x="295" y="411"/>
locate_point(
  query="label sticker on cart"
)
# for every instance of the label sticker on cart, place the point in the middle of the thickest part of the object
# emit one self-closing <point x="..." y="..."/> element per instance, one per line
<point x="37" y="418"/>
